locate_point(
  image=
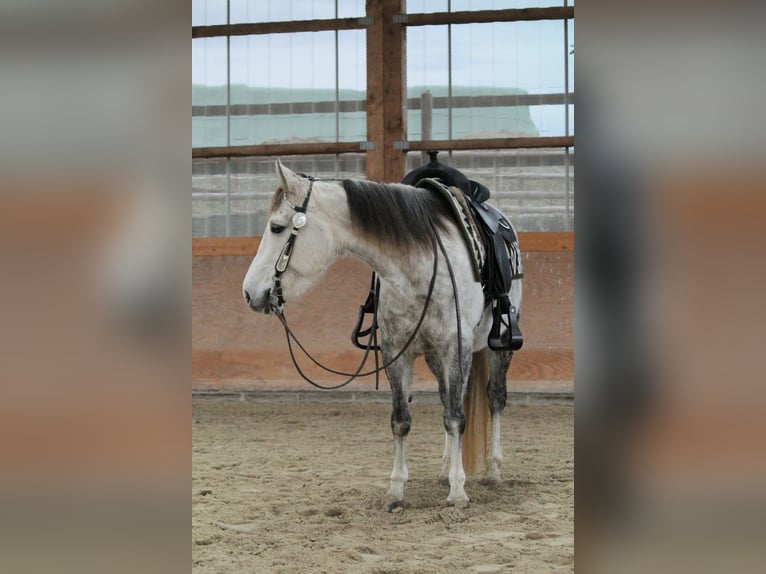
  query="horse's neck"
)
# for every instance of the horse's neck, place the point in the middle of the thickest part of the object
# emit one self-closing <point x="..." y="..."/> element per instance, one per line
<point x="389" y="266"/>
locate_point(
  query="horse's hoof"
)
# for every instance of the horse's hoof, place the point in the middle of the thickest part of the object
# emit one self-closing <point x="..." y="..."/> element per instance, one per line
<point x="490" y="480"/>
<point x="394" y="506"/>
<point x="460" y="503"/>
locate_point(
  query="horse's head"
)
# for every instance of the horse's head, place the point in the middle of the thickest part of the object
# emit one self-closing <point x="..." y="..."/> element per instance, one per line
<point x="296" y="247"/>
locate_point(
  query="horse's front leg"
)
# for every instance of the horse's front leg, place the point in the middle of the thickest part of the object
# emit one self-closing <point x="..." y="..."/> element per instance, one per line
<point x="436" y="365"/>
<point x="454" y="425"/>
<point x="399" y="377"/>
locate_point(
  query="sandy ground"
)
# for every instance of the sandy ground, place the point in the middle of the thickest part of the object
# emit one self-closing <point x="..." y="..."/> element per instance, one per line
<point x="297" y="487"/>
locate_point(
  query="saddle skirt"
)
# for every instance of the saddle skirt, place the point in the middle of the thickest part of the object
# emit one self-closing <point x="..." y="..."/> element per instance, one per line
<point x="467" y="223"/>
<point x="489" y="236"/>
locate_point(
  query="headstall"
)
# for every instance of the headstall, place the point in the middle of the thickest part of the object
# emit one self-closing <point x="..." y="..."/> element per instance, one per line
<point x="299" y="221"/>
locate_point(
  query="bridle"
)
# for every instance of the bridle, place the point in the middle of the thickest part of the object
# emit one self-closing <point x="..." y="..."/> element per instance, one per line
<point x="299" y="221"/>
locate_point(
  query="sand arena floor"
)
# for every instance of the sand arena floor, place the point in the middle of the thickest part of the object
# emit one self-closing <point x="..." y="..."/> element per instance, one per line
<point x="297" y="487"/>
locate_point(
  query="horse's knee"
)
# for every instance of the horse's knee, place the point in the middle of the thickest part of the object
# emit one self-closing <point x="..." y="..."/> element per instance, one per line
<point x="401" y="420"/>
<point x="454" y="423"/>
<point x="498" y="396"/>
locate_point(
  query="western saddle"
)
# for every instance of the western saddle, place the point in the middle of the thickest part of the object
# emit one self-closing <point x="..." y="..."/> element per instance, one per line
<point x="491" y="240"/>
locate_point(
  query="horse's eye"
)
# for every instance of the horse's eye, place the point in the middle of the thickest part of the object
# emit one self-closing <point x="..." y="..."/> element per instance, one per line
<point x="276" y="228"/>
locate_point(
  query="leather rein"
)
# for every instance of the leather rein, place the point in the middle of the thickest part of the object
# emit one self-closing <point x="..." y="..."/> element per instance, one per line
<point x="299" y="221"/>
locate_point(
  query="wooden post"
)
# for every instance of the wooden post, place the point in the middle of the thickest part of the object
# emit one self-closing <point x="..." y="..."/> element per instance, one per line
<point x="426" y="122"/>
<point x="386" y="97"/>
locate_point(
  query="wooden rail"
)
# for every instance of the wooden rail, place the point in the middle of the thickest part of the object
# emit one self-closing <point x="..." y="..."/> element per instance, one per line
<point x="260" y="28"/>
<point x="358" y="147"/>
<point x="278" y="149"/>
<point x="488" y="16"/>
<point x="530" y="242"/>
<point x="432" y="19"/>
<point x="492" y="143"/>
<point x="350" y="106"/>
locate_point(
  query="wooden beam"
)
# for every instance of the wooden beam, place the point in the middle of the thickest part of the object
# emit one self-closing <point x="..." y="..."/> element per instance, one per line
<point x="436" y="18"/>
<point x="375" y="116"/>
<point x="498" y="101"/>
<point x="487" y="16"/>
<point x="543" y="241"/>
<point x="209" y="246"/>
<point x="277" y="149"/>
<point x="492" y="143"/>
<point x="328" y="107"/>
<point x="530" y="242"/>
<point x="278" y="27"/>
<point x="265" y="150"/>
<point x="386" y="90"/>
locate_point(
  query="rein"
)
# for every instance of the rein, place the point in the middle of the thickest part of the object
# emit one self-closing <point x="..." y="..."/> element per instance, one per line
<point x="299" y="221"/>
<point x="290" y="336"/>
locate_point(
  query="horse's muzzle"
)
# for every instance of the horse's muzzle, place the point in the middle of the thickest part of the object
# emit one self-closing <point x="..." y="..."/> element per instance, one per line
<point x="262" y="304"/>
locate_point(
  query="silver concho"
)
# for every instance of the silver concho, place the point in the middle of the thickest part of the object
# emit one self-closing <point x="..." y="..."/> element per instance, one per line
<point x="299" y="220"/>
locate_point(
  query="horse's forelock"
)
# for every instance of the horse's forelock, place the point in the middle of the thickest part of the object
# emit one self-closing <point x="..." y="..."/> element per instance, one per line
<point x="276" y="200"/>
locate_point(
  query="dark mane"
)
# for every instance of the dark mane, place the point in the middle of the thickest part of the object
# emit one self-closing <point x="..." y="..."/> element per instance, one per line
<point x="395" y="215"/>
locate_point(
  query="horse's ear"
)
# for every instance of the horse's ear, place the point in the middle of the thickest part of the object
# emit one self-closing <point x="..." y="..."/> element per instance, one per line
<point x="287" y="179"/>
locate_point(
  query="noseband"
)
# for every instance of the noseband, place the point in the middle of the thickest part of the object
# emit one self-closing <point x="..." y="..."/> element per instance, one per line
<point x="299" y="221"/>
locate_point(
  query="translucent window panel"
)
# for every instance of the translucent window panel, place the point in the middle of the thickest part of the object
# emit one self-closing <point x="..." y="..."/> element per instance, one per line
<point x="550" y="121"/>
<point x="208" y="92"/>
<point x="426" y="6"/>
<point x="351" y="8"/>
<point x="429" y="6"/>
<point x="283" y="87"/>
<point x="281" y="10"/>
<point x="532" y="187"/>
<point x="209" y="197"/>
<point x="208" y="71"/>
<point x="232" y="197"/>
<point x="352" y="84"/>
<point x="427" y="71"/>
<point x="208" y="12"/>
<point x="288" y="64"/>
<point x="523" y="55"/>
<point x="570" y="52"/>
<point x="507" y="58"/>
<point x="570" y="60"/>
<point x="472" y="5"/>
<point x="427" y="56"/>
<point x="471" y="121"/>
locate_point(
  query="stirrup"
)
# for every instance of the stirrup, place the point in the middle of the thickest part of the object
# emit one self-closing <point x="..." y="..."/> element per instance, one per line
<point x="512" y="339"/>
<point x="368" y="308"/>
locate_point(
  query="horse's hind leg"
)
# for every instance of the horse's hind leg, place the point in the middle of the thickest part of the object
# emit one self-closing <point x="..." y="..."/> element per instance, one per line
<point x="499" y="361"/>
<point x="454" y="425"/>
<point x="399" y="377"/>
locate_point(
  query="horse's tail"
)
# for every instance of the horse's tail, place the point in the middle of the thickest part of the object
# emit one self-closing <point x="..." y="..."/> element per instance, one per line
<point x="476" y="408"/>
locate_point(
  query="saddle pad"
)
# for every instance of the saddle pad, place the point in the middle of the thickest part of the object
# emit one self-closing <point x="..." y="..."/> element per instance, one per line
<point x="464" y="217"/>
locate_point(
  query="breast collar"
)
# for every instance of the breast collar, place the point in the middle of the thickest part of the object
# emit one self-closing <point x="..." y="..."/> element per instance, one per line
<point x="299" y="221"/>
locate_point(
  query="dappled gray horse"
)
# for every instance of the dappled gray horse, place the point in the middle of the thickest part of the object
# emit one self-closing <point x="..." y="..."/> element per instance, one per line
<point x="393" y="228"/>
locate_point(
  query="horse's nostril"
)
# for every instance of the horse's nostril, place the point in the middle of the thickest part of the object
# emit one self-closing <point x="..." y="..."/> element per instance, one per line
<point x="247" y="297"/>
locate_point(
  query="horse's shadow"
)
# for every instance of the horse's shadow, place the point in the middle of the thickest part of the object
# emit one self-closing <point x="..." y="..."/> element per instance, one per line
<point x="428" y="494"/>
